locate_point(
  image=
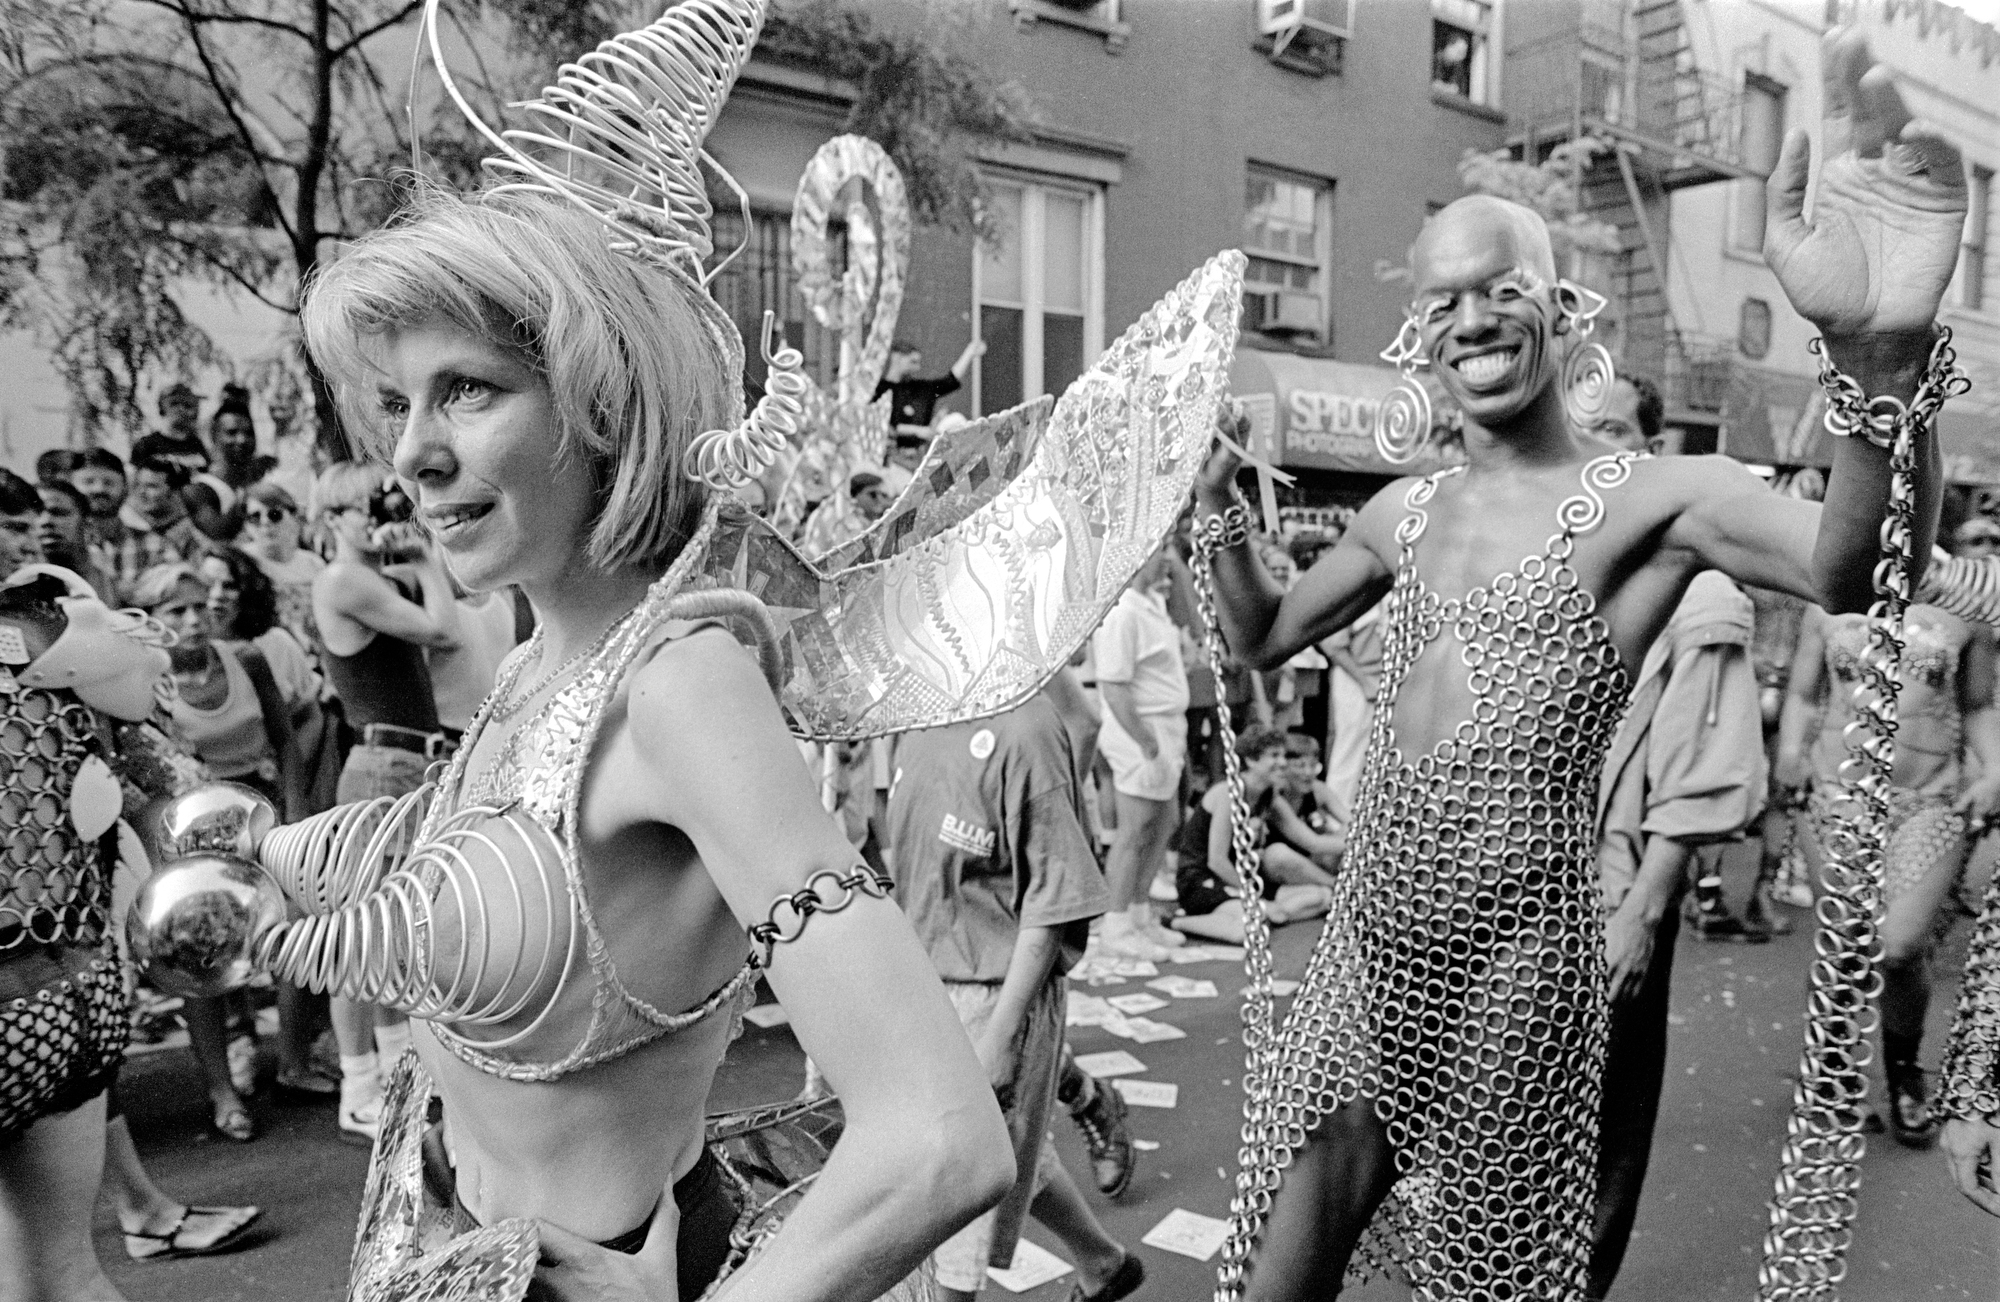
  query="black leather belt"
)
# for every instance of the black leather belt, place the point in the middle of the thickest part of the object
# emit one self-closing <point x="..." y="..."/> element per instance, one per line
<point x="430" y="745"/>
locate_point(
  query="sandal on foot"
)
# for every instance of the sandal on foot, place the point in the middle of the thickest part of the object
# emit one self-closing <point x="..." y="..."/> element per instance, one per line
<point x="177" y="1242"/>
<point x="1124" y="1281"/>
<point x="233" y="1121"/>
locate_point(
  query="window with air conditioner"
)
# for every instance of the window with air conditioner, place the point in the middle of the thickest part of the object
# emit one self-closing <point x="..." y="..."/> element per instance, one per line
<point x="1038" y="289"/>
<point x="1462" y="52"/>
<point x="1104" y="17"/>
<point x="1305" y="35"/>
<point x="1287" y="233"/>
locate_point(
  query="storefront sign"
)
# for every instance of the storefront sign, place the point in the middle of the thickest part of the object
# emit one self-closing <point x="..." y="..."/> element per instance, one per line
<point x="1316" y="414"/>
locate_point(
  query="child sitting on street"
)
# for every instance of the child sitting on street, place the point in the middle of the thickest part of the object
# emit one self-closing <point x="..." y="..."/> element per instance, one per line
<point x="1295" y="857"/>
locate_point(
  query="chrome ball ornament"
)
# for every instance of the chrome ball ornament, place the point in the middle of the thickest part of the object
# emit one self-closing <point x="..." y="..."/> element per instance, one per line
<point x="224" y="818"/>
<point x="197" y="921"/>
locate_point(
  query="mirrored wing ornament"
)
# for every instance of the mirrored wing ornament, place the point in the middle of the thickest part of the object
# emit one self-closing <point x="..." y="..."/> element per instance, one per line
<point x="1016" y="537"/>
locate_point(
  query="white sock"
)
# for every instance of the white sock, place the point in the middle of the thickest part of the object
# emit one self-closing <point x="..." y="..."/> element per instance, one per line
<point x="390" y="1041"/>
<point x="1116" y="923"/>
<point x="357" y="1067"/>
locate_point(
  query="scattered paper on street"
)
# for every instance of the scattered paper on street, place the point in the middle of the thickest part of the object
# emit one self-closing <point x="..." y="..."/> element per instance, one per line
<point x="1149" y="1093"/>
<point x="767" y="1015"/>
<point x="1181" y="987"/>
<point x="1112" y="1062"/>
<point x="1136" y="1003"/>
<point x="1145" y="1145"/>
<point x="1207" y="954"/>
<point x="1147" y="1031"/>
<point x="1188" y="1233"/>
<point x="1033" y="1266"/>
<point x="1088" y="1010"/>
<point x="1279" y="987"/>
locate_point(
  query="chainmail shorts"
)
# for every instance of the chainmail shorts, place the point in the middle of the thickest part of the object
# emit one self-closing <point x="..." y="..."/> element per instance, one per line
<point x="1459" y="985"/>
<point x="1923" y="835"/>
<point x="63" y="1027"/>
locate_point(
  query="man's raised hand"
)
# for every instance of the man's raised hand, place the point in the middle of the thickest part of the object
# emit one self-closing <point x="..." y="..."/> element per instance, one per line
<point x="1887" y="217"/>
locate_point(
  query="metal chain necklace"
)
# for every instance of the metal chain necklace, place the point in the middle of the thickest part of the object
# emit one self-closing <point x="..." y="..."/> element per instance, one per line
<point x="507" y="703"/>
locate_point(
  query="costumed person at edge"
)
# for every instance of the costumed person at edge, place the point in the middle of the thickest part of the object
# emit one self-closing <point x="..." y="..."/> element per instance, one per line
<point x="1442" y="1060"/>
<point x="1945" y="709"/>
<point x="80" y="745"/>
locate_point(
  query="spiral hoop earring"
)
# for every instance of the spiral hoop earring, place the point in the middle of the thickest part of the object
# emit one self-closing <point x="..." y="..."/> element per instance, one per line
<point x="1404" y="424"/>
<point x="1588" y="374"/>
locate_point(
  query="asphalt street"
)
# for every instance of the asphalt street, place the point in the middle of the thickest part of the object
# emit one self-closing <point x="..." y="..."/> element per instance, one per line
<point x="1736" y="1036"/>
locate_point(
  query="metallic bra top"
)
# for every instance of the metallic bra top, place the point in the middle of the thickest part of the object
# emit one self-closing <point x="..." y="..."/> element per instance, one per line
<point x="536" y="785"/>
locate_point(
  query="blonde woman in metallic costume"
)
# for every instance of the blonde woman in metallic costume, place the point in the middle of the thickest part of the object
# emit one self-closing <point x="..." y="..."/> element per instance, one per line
<point x="536" y="391"/>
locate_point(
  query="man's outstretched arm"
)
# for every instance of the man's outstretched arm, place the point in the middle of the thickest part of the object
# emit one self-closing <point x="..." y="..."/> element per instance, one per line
<point x="1869" y="269"/>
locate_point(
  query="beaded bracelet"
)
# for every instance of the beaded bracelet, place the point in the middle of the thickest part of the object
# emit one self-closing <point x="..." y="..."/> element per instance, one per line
<point x="1849" y="411"/>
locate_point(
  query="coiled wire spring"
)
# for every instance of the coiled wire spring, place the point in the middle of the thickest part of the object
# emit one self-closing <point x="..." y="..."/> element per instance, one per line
<point x="424" y="933"/>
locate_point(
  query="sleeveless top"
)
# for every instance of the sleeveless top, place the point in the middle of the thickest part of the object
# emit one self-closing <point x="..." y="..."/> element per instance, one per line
<point x="536" y="784"/>
<point x="386" y="681"/>
<point x="1459" y="983"/>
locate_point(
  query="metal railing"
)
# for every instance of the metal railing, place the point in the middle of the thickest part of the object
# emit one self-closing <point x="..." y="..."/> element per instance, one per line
<point x="1698" y="372"/>
<point x="1593" y="79"/>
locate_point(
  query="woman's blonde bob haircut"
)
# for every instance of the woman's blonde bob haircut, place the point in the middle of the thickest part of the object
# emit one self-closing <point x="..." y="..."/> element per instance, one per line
<point x="633" y="355"/>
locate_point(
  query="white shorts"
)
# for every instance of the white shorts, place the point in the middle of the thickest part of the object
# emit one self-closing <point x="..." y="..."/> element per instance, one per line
<point x="1132" y="773"/>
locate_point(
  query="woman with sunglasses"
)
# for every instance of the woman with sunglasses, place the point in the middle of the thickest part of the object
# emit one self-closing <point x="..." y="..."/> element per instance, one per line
<point x="272" y="526"/>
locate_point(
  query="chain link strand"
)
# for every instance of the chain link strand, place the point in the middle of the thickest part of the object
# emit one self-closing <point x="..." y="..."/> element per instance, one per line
<point x="1813" y="1206"/>
<point x="1256" y="1174"/>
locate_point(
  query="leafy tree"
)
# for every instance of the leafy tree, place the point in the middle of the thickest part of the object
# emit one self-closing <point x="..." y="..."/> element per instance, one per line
<point x="1550" y="188"/>
<point x="154" y="144"/>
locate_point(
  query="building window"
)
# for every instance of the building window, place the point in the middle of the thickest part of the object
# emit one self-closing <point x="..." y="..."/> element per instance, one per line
<point x="1763" y="134"/>
<point x="1461" y="49"/>
<point x="1972" y="266"/>
<point x="761" y="279"/>
<point x="1287" y="225"/>
<point x="1039" y="291"/>
<point x="1104" y="17"/>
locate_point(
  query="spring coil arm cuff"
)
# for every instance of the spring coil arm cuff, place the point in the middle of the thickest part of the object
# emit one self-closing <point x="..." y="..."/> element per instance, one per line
<point x="786" y="921"/>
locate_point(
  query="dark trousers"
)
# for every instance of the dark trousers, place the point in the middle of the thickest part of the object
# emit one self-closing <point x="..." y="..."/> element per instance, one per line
<point x="1635" y="1068"/>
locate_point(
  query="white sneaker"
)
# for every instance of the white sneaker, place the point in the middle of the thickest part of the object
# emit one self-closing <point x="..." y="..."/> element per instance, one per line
<point x="1159" y="933"/>
<point x="1120" y="939"/>
<point x="360" y="1109"/>
<point x="1163" y="890"/>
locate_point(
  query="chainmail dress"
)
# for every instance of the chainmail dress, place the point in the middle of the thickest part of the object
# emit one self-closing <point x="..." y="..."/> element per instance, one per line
<point x="63" y="1023"/>
<point x="1459" y="983"/>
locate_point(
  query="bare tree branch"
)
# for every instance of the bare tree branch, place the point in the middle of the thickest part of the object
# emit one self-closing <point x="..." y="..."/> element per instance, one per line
<point x="194" y="16"/>
<point x="224" y="92"/>
<point x="342" y="50"/>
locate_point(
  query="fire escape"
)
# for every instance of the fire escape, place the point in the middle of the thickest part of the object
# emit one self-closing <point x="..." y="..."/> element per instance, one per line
<point x="1622" y="73"/>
